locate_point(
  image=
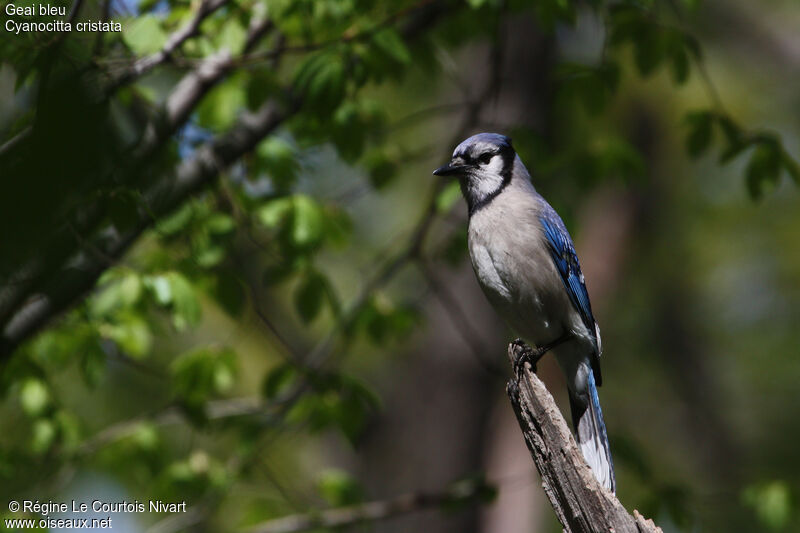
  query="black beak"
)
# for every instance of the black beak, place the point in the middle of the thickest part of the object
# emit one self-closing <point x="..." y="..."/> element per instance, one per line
<point x="449" y="169"/>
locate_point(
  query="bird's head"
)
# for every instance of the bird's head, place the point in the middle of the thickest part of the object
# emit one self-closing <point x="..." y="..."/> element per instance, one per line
<point x="483" y="165"/>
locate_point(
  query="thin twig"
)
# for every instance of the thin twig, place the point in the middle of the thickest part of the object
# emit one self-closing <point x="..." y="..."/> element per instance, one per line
<point x="460" y="321"/>
<point x="700" y="64"/>
<point x="346" y="37"/>
<point x="424" y="114"/>
<point x="215" y="410"/>
<point x="368" y="512"/>
<point x="244" y="222"/>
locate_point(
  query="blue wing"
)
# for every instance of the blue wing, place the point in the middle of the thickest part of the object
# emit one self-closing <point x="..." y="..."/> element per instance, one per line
<point x="566" y="260"/>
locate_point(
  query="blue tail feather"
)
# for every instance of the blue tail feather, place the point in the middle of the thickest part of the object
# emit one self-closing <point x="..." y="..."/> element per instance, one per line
<point x="590" y="431"/>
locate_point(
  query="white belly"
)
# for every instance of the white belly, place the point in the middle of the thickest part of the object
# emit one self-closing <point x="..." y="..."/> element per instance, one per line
<point x="523" y="290"/>
<point x="520" y="280"/>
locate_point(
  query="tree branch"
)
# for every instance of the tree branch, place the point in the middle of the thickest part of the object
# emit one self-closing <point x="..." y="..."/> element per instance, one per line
<point x="580" y="503"/>
<point x="216" y="410"/>
<point x="146" y="64"/>
<point x="191" y="176"/>
<point x="460" y="320"/>
<point x="374" y="510"/>
<point x="178" y="106"/>
<point x="26" y="309"/>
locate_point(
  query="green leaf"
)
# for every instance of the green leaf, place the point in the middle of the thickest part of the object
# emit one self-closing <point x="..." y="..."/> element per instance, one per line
<point x="93" y="363"/>
<point x="229" y="291"/>
<point x="279" y="380"/>
<point x="278" y="160"/>
<point x="339" y="488"/>
<point x="763" y="169"/>
<point x="350" y="131"/>
<point x="220" y="223"/>
<point x="771" y="501"/>
<point x="613" y="157"/>
<point x="310" y="295"/>
<point x="735" y="143"/>
<point x="68" y="429"/>
<point x="146" y="5"/>
<point x="197" y="475"/>
<point x="209" y="256"/>
<point x="261" y="84"/>
<point x="648" y="52"/>
<point x="220" y="108"/>
<point x="552" y="12"/>
<point x="34" y="396"/>
<point x="176" y="221"/>
<point x="380" y="168"/>
<point x="791" y="166"/>
<point x="185" y="307"/>
<point x="337" y="401"/>
<point x="123" y="291"/>
<point x="44" y="435"/>
<point x="145" y="436"/>
<point x="131" y="333"/>
<point x="382" y="321"/>
<point x="700" y="131"/>
<point x="591" y="85"/>
<point x="321" y="81"/>
<point x="274" y="212"/>
<point x="679" y="47"/>
<point x="144" y="35"/>
<point x="160" y="287"/>
<point x="278" y="273"/>
<point x="338" y="226"/>
<point x="680" y="66"/>
<point x="232" y="36"/>
<point x="390" y="43"/>
<point x="691" y="45"/>
<point x="307" y="221"/>
<point x="203" y="373"/>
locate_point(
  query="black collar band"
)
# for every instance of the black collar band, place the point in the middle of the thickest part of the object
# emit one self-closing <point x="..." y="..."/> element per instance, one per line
<point x="474" y="207"/>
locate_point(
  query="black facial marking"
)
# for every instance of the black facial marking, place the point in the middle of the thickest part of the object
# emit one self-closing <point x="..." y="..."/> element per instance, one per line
<point x="508" y="155"/>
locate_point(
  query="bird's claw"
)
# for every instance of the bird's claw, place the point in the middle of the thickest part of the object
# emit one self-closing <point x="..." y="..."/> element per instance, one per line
<point x="522" y="354"/>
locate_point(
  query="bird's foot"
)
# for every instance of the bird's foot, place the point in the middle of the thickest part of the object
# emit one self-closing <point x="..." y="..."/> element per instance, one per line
<point x="523" y="354"/>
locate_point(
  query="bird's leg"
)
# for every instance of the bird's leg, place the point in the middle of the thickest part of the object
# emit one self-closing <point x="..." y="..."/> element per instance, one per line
<point x="522" y="353"/>
<point x="525" y="353"/>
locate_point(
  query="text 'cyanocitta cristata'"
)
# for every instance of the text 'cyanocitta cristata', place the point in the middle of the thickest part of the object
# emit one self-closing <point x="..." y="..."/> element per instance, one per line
<point x="526" y="264"/>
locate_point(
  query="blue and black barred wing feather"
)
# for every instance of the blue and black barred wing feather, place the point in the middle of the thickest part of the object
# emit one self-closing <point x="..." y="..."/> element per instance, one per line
<point x="566" y="260"/>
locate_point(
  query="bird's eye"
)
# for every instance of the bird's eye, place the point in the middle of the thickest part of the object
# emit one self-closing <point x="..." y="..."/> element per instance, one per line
<point x="485" y="158"/>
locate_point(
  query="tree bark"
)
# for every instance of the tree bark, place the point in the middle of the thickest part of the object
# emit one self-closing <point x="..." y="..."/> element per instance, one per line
<point x="579" y="501"/>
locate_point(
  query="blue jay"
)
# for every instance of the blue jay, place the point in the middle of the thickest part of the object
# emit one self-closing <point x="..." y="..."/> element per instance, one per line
<point x="526" y="265"/>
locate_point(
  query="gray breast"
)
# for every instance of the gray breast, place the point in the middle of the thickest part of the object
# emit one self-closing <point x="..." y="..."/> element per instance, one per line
<point x="514" y="267"/>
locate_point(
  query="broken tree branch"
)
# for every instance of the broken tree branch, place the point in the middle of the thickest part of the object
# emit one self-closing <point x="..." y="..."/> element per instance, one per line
<point x="581" y="504"/>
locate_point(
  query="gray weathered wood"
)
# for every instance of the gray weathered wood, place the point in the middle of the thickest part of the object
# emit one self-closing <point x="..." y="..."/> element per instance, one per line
<point x="579" y="501"/>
